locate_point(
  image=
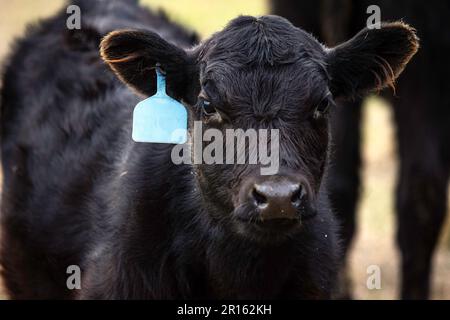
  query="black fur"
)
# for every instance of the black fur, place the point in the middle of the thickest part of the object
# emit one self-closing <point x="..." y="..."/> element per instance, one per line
<point x="78" y="191"/>
<point x="422" y="114"/>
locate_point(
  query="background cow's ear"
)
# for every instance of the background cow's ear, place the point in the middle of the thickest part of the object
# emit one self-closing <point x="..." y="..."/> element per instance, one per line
<point x="372" y="60"/>
<point x="133" y="55"/>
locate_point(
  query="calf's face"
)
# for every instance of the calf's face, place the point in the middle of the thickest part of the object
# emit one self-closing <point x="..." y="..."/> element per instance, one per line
<point x="263" y="73"/>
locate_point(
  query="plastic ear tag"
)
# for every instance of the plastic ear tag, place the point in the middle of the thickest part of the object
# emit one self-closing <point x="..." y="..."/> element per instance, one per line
<point x="160" y="118"/>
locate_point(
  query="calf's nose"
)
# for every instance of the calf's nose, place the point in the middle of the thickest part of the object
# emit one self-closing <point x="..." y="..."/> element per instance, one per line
<point x="278" y="199"/>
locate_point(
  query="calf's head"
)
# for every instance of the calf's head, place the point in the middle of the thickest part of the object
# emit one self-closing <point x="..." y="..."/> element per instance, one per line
<point x="263" y="73"/>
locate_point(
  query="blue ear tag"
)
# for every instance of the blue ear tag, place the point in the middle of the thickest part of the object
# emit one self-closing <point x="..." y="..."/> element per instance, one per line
<point x="160" y="119"/>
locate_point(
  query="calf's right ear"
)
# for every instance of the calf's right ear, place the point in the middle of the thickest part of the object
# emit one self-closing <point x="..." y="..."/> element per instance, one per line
<point x="134" y="54"/>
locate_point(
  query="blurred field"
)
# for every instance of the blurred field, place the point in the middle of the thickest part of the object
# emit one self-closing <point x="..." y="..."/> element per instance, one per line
<point x="375" y="241"/>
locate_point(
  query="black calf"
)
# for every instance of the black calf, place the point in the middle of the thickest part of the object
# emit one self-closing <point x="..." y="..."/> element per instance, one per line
<point x="78" y="191"/>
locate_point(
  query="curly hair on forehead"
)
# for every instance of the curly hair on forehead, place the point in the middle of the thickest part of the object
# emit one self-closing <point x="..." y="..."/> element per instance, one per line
<point x="270" y="40"/>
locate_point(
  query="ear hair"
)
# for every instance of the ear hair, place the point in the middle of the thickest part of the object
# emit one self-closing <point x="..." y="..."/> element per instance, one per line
<point x="133" y="54"/>
<point x="373" y="59"/>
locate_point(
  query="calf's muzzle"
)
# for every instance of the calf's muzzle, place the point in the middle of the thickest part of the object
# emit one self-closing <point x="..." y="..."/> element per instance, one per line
<point x="279" y="200"/>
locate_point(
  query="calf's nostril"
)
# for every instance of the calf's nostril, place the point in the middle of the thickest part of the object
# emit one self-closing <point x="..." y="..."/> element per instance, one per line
<point x="297" y="196"/>
<point x="260" y="199"/>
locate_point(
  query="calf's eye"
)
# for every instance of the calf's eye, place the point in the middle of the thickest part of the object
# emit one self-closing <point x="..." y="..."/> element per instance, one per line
<point x="209" y="112"/>
<point x="323" y="108"/>
<point x="207" y="107"/>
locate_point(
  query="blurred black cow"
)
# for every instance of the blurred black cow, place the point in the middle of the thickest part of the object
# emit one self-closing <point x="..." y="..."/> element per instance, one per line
<point x="422" y="116"/>
<point x="79" y="191"/>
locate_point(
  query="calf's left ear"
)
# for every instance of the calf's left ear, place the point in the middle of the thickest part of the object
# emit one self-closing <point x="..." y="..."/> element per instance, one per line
<point x="134" y="54"/>
<point x="372" y="60"/>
